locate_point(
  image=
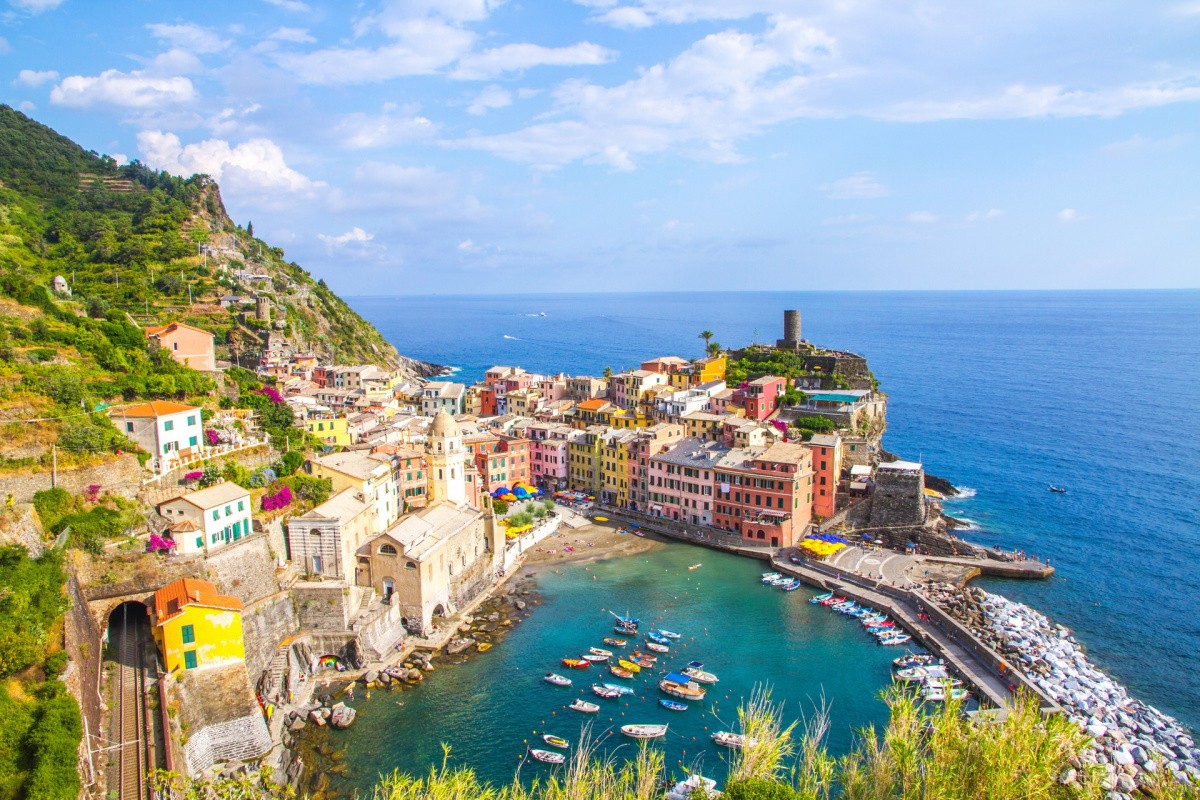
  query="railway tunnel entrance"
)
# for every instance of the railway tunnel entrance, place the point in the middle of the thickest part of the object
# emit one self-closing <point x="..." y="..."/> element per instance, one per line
<point x="132" y="734"/>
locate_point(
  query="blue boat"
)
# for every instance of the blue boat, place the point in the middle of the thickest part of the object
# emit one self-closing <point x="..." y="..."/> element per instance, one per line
<point x="672" y="705"/>
<point x="626" y="621"/>
<point x="668" y="634"/>
<point x="790" y="586"/>
<point x="817" y="600"/>
<point x="659" y="638"/>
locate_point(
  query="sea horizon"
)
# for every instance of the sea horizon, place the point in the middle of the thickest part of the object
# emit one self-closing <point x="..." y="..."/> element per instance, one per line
<point x="473" y="295"/>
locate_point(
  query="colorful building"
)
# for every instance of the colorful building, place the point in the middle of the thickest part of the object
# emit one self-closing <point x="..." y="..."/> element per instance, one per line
<point x="584" y="473"/>
<point x="765" y="494"/>
<point x="331" y="429"/>
<point x="647" y="443"/>
<point x="162" y="428"/>
<point x="443" y="396"/>
<point x="208" y="519"/>
<point x="681" y="479"/>
<point x="827" y="470"/>
<point x="190" y="346"/>
<point x="373" y="477"/>
<point x="197" y="627"/>
<point x="596" y="411"/>
<point x="614" y="466"/>
<point x="548" y="454"/>
<point x="758" y="397"/>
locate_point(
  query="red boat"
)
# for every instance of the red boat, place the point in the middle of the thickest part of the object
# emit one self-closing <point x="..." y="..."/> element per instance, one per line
<point x="833" y="601"/>
<point x="575" y="663"/>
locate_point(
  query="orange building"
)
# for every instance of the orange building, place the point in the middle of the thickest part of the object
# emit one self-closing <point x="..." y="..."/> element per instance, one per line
<point x="827" y="467"/>
<point x="190" y="346"/>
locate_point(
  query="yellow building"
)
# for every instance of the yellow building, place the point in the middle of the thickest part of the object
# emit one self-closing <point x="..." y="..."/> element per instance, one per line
<point x="584" y="472"/>
<point x="596" y="411"/>
<point x="709" y="369"/>
<point x="330" y="430"/>
<point x="626" y="420"/>
<point x="196" y="627"/>
<point x="614" y="466"/>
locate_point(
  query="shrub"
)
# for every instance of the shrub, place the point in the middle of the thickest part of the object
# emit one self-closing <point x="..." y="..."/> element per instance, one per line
<point x="290" y="462"/>
<point x="210" y="475"/>
<point x="92" y="492"/>
<point x="500" y="507"/>
<point x="278" y="497"/>
<point x="56" y="663"/>
<point x="212" y="438"/>
<point x="271" y="394"/>
<point x="193" y="476"/>
<point x="51" y="506"/>
<point x="758" y="789"/>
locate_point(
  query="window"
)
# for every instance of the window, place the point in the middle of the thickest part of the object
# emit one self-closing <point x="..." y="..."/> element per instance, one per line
<point x="189" y="659"/>
<point x="188" y="632"/>
<point x="192" y="441"/>
<point x="129" y="427"/>
<point x="216" y="515"/>
<point x="387" y="550"/>
<point x="169" y="425"/>
<point x="191" y="420"/>
<point x="228" y="510"/>
<point x="241" y="505"/>
<point x="199" y="542"/>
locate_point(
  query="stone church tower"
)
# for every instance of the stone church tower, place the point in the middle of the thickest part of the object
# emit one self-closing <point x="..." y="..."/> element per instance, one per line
<point x="447" y="462"/>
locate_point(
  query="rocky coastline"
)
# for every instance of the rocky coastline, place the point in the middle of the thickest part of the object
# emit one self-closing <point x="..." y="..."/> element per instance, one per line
<point x="1134" y="743"/>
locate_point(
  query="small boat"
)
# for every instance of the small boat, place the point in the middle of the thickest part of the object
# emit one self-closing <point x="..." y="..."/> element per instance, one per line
<point x="555" y="741"/>
<point x="657" y="637"/>
<point x="638" y="655"/>
<point x="694" y="787"/>
<point x="791" y="587"/>
<point x="734" y="740"/>
<point x="700" y="676"/>
<point x="818" y="598"/>
<point x="621" y="630"/>
<point x="546" y="756"/>
<point x="682" y="687"/>
<point x="584" y="706"/>
<point x="770" y="577"/>
<point x="483" y="647"/>
<point x="576" y="663"/>
<point x="592" y="657"/>
<point x="939" y="694"/>
<point x="672" y="705"/>
<point x="1058" y="489"/>
<point x="606" y="693"/>
<point x="598" y="651"/>
<point x="896" y="638"/>
<point x="644" y="731"/>
<point x="658" y="648"/>
<point x="600" y="519"/>
<point x="618" y="688"/>
<point x="911" y="659"/>
<point x="620" y="672"/>
<point x="832" y="601"/>
<point x="695" y="566"/>
<point x="556" y="679"/>
<point x="640" y="533"/>
<point x="668" y="634"/>
<point x="880" y="623"/>
<point x="626" y="621"/>
<point x="611" y="642"/>
<point x="629" y="665"/>
<point x="921" y="673"/>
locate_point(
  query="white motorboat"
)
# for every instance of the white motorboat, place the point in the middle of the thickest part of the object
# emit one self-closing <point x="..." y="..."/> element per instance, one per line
<point x="556" y="679"/>
<point x="644" y="731"/>
<point x="734" y="740"/>
<point x="694" y="787"/>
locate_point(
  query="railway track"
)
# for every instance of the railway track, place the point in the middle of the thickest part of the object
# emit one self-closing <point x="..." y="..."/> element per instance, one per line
<point x="129" y="714"/>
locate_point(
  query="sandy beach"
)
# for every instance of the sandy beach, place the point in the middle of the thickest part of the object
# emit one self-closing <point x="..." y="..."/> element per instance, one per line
<point x="590" y="542"/>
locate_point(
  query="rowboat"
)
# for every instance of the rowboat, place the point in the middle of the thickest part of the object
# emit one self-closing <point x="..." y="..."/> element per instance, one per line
<point x="695" y="566"/>
<point x="681" y="686"/>
<point x="791" y="587"/>
<point x="694" y="787"/>
<point x="584" y="706"/>
<point x="556" y="679"/>
<point x="629" y="665"/>
<point x="770" y="577"/>
<point x="611" y="642"/>
<point x="576" y="663"/>
<point x="620" y="672"/>
<point x="734" y="740"/>
<point x="606" y="693"/>
<point x="621" y="630"/>
<point x="658" y="648"/>
<point x="896" y="638"/>
<point x="658" y="637"/>
<point x="547" y="756"/>
<point x="832" y="601"/>
<point x="818" y="598"/>
<point x="672" y="705"/>
<point x="669" y="634"/>
<point x="597" y="651"/>
<point x="700" y="676"/>
<point x="626" y="621"/>
<point x="921" y="673"/>
<point x="555" y="741"/>
<point x="913" y="660"/>
<point x="593" y="657"/>
<point x="637" y="655"/>
<point x="644" y="731"/>
<point x="618" y="688"/>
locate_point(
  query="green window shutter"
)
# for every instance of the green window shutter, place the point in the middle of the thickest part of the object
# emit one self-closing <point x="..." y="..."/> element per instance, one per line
<point x="189" y="659"/>
<point x="199" y="542"/>
<point x="192" y="441"/>
<point x="189" y="634"/>
<point x="169" y="425"/>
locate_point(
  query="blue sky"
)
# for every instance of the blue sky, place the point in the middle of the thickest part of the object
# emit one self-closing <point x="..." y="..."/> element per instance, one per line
<point x="462" y="146"/>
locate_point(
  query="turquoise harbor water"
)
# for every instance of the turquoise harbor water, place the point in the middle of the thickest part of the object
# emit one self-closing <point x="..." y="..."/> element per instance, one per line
<point x="746" y="633"/>
<point x="1001" y="392"/>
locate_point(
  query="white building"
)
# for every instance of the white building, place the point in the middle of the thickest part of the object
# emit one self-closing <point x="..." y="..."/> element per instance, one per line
<point x="443" y="396"/>
<point x="208" y="519"/>
<point x="166" y="430"/>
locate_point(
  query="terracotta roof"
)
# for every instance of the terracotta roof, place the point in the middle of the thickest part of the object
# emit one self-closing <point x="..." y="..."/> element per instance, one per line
<point x="156" y="330"/>
<point x="155" y="408"/>
<point x="594" y="404"/>
<point x="171" y="599"/>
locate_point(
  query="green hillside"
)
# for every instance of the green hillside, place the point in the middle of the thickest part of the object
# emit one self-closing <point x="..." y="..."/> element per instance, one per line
<point x="128" y="241"/>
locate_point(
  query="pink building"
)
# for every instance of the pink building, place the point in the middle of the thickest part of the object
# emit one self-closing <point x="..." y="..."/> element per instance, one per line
<point x="681" y="481"/>
<point x="758" y="396"/>
<point x="548" y="453"/>
<point x="189" y="346"/>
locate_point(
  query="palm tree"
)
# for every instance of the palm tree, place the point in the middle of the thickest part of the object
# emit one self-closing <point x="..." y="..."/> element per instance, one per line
<point x="707" y="337"/>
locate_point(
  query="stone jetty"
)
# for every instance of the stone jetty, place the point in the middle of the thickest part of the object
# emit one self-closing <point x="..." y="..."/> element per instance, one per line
<point x="1132" y="741"/>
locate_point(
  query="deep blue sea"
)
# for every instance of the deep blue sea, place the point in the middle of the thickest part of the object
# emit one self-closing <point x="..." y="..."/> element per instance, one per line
<point x="1000" y="392"/>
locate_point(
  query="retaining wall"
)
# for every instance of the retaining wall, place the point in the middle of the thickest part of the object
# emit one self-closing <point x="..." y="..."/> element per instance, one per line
<point x="121" y="476"/>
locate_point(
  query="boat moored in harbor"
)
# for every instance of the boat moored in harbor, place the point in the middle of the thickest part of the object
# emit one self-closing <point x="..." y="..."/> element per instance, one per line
<point x="644" y="731"/>
<point x="556" y="679"/>
<point x="547" y="756"/>
<point x="584" y="706"/>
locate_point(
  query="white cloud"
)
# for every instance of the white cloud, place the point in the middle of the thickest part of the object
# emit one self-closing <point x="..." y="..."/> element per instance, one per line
<point x="859" y="186"/>
<point x="188" y="36"/>
<point x="35" y="6"/>
<point x="288" y="5"/>
<point x="518" y="57"/>
<point x="33" y="77"/>
<point x="297" y="35"/>
<point x="1069" y="215"/>
<point x="422" y="47"/>
<point x="468" y="246"/>
<point x="979" y="216"/>
<point x="129" y="90"/>
<point x="229" y="120"/>
<point x="393" y="126"/>
<point x="922" y="217"/>
<point x="355" y="235"/>
<point x="491" y="97"/>
<point x="257" y="163"/>
<point x="626" y="17"/>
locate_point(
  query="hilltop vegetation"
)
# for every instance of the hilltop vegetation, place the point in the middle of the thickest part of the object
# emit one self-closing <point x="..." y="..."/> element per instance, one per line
<point x="127" y="240"/>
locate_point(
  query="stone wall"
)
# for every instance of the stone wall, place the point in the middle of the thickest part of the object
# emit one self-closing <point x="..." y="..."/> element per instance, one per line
<point x="121" y="476"/>
<point x="898" y="499"/>
<point x="322" y="607"/>
<point x="236" y="740"/>
<point x="244" y="569"/>
<point x="85" y="650"/>
<point x="265" y="626"/>
<point x="20" y="525"/>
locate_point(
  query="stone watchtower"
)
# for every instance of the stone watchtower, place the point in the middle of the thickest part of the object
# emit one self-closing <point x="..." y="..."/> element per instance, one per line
<point x="791" y="332"/>
<point x="262" y="309"/>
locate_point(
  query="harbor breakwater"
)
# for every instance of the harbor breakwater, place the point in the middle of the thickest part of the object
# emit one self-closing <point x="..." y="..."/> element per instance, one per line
<point x="1131" y="740"/>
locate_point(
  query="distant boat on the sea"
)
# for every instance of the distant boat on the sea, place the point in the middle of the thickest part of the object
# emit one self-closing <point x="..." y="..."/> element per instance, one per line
<point x="1058" y="489"/>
